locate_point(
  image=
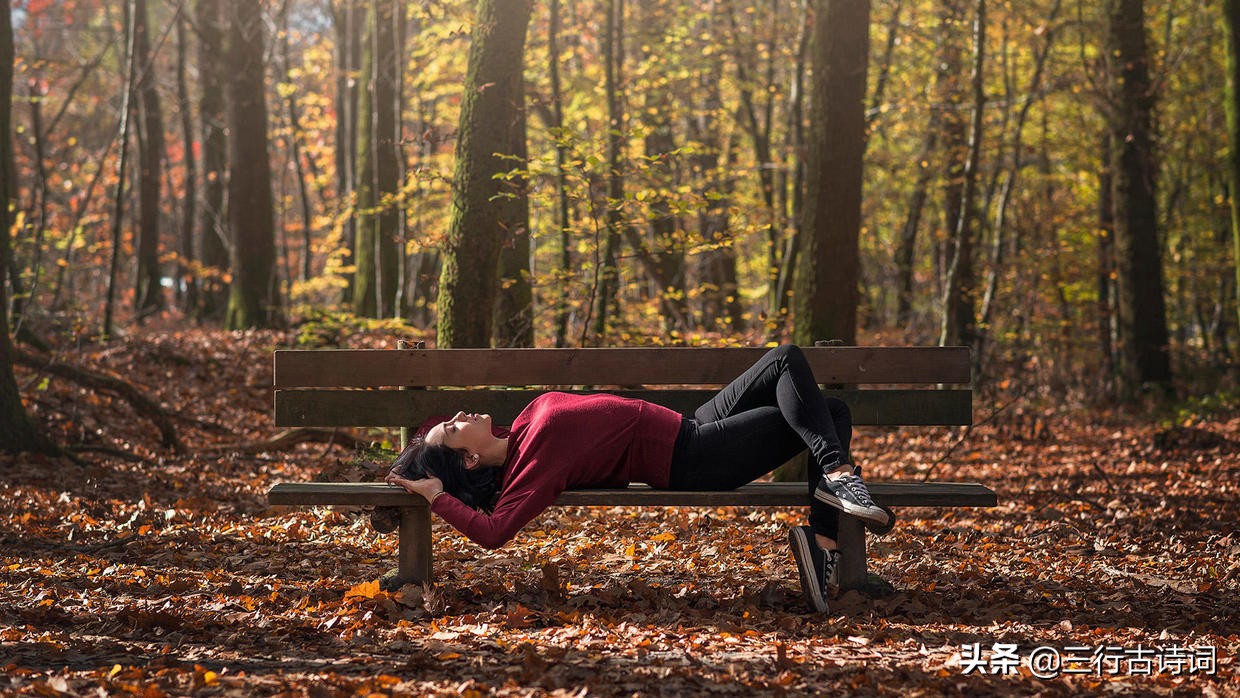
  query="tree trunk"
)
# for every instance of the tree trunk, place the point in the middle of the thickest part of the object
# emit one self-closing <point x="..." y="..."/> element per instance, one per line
<point x="252" y="296"/>
<point x="564" y="309"/>
<point x="17" y="432"/>
<point x="514" y="309"/>
<point x="950" y="98"/>
<point x="148" y="297"/>
<point x="189" y="300"/>
<point x="796" y="145"/>
<point x="660" y="142"/>
<point x="118" y="203"/>
<point x="959" y="314"/>
<point x="827" y="278"/>
<point x="213" y="235"/>
<point x="1143" y="350"/>
<point x="386" y="135"/>
<point x="1231" y="13"/>
<point x="348" y="18"/>
<point x="294" y="143"/>
<point x="364" y="295"/>
<point x="375" y="282"/>
<point x="490" y="118"/>
<point x="906" y="250"/>
<point x="609" y="273"/>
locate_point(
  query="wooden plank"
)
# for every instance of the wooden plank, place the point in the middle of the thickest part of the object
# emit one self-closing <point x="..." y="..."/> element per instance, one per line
<point x="368" y="368"/>
<point x="892" y="494"/>
<point x="395" y="408"/>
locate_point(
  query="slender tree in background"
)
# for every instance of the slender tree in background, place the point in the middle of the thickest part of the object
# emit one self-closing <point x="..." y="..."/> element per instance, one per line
<point x="375" y="286"/>
<point x="293" y="112"/>
<point x="386" y="137"/>
<point x="1143" y="350"/>
<point x="795" y="143"/>
<point x="954" y="137"/>
<point x="490" y="116"/>
<point x="959" y="310"/>
<point x="608" y="284"/>
<point x="348" y="18"/>
<point x="252" y="297"/>
<point x="1000" y="245"/>
<point x="827" y="277"/>
<point x="1107" y="325"/>
<point x="118" y="200"/>
<point x="667" y="260"/>
<point x="17" y="432"/>
<point x="1231" y="14"/>
<point x="213" y="235"/>
<point x="514" y="309"/>
<point x="564" y="222"/>
<point x="189" y="302"/>
<point x="363" y="295"/>
<point x="712" y="272"/>
<point x="148" y="296"/>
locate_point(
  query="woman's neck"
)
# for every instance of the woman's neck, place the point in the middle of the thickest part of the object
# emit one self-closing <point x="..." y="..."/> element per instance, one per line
<point x="496" y="453"/>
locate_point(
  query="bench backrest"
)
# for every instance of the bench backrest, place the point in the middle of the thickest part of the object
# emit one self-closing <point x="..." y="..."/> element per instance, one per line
<point x="348" y="387"/>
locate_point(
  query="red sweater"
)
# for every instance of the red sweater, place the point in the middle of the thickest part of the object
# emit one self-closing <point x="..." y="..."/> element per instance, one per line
<point x="562" y="441"/>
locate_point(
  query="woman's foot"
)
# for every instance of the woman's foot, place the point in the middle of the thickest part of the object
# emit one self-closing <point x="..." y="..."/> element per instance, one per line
<point x="816" y="565"/>
<point x="844" y="489"/>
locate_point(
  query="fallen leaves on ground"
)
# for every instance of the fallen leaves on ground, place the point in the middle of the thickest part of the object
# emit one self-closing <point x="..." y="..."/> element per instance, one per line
<point x="171" y="575"/>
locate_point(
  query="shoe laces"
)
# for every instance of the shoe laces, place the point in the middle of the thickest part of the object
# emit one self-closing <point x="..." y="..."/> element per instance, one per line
<point x="857" y="486"/>
<point x="829" y="558"/>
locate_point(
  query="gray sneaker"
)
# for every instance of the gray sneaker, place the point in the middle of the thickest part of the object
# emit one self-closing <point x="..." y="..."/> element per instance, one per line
<point x="817" y="566"/>
<point x="850" y="495"/>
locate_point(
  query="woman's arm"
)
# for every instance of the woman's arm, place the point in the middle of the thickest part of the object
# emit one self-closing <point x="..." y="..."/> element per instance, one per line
<point x="491" y="531"/>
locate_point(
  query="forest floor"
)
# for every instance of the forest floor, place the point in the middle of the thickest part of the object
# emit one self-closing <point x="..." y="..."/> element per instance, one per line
<point x="1114" y="548"/>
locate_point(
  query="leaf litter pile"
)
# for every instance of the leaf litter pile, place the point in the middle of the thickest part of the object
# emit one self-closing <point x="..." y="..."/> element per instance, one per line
<point x="169" y="574"/>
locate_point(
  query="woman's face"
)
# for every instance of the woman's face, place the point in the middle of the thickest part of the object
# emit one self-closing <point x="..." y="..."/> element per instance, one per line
<point x="469" y="433"/>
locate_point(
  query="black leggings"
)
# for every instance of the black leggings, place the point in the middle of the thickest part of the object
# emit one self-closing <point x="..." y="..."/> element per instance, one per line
<point x="768" y="415"/>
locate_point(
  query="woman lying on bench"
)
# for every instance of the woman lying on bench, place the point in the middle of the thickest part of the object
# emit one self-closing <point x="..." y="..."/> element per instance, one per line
<point x="489" y="484"/>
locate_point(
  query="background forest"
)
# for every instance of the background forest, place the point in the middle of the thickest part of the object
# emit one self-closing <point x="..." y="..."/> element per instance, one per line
<point x="668" y="177"/>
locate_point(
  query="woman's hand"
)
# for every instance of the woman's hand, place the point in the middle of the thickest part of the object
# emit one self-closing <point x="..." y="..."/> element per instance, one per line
<point x="427" y="487"/>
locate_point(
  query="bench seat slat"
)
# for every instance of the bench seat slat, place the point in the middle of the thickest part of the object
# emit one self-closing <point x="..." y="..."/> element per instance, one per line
<point x="395" y="408"/>
<point x="364" y="368"/>
<point x="895" y="494"/>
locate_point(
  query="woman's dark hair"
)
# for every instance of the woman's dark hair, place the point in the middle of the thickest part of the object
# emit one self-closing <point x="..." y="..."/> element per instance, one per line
<point x="477" y="489"/>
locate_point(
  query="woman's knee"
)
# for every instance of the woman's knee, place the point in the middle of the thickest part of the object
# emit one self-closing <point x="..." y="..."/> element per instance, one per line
<point x="787" y="351"/>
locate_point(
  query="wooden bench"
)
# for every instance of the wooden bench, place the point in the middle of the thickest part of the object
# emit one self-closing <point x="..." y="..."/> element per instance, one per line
<point x="339" y="387"/>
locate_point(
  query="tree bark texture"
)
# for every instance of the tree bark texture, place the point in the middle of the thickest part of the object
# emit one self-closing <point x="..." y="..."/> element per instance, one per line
<point x="490" y="117"/>
<point x="364" y="296"/>
<point x="348" y="17"/>
<point x="148" y="297"/>
<point x="563" y="311"/>
<point x="213" y="235"/>
<point x="188" y="301"/>
<point x="1231" y="12"/>
<point x="1143" y="350"/>
<point x="959" y="309"/>
<point x="118" y="200"/>
<point x="605" y="299"/>
<point x="514" y="309"/>
<point x="252" y="297"/>
<point x="17" y="432"/>
<point x="827" y="278"/>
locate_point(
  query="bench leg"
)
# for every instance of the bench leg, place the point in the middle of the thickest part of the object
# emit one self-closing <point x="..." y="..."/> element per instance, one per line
<point x="852" y="571"/>
<point x="413" y="565"/>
